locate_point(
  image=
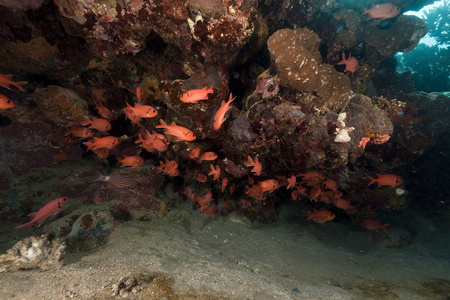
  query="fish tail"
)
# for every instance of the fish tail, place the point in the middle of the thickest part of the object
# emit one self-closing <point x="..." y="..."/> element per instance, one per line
<point x="372" y="180"/>
<point x="19" y="85"/>
<point x="384" y="227"/>
<point x="26" y="225"/>
<point x="87" y="121"/>
<point x="98" y="176"/>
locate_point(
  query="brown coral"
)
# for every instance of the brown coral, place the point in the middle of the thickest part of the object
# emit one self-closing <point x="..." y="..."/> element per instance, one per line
<point x="300" y="66"/>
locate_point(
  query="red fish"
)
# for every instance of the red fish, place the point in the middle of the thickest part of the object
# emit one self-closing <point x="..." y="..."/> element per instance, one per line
<point x="343" y="204"/>
<point x="131" y="161"/>
<point x="382" y="11"/>
<point x="351" y="64"/>
<point x="5" y="103"/>
<point x="269" y="185"/>
<point x="386" y="179"/>
<point x="312" y="176"/>
<point x="48" y="210"/>
<point x="104" y="142"/>
<point x="6" y="82"/>
<point x="257" y="167"/>
<point x="193" y="96"/>
<point x="104" y="112"/>
<point x="215" y="172"/>
<point x="153" y="142"/>
<point x="219" y="117"/>
<point x="374" y="225"/>
<point x="200" y="177"/>
<point x="169" y="168"/>
<point x="116" y="179"/>
<point x="140" y="94"/>
<point x="291" y="182"/>
<point x="80" y="132"/>
<point x="208" y="156"/>
<point x="194" y="153"/>
<point x="143" y="111"/>
<point x="320" y="216"/>
<point x="97" y="123"/>
<point x="205" y="201"/>
<point x="180" y="132"/>
<point x="224" y="184"/>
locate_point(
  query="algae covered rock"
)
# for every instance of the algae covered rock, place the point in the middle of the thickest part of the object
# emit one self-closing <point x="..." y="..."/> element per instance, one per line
<point x="91" y="230"/>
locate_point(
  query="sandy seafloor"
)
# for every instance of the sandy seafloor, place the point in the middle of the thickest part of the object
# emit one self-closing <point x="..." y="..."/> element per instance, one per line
<point x="186" y="255"/>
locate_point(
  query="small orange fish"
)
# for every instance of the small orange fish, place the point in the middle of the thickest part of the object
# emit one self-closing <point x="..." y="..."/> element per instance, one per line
<point x="131" y="161"/>
<point x="382" y="11"/>
<point x="5" y="103"/>
<point x="255" y="192"/>
<point x="104" y="142"/>
<point x="180" y="132"/>
<point x="291" y="182"/>
<point x="80" y="132"/>
<point x="48" y="210"/>
<point x="101" y="153"/>
<point x="294" y="195"/>
<point x="215" y="172"/>
<point x="194" y="153"/>
<point x="330" y="184"/>
<point x="6" y="82"/>
<point x="97" y="123"/>
<point x="208" y="156"/>
<point x="193" y="96"/>
<point x="257" y="167"/>
<point x="153" y="142"/>
<point x="269" y="185"/>
<point x="224" y="184"/>
<point x="312" y="176"/>
<point x="204" y="202"/>
<point x="135" y="120"/>
<point x="143" y="111"/>
<point x="219" y="117"/>
<point x="200" y="177"/>
<point x="343" y="204"/>
<point x="140" y="94"/>
<point x="320" y="216"/>
<point x="169" y="168"/>
<point x="104" y="112"/>
<point x="315" y="193"/>
<point x="351" y="64"/>
<point x="386" y="179"/>
<point x="374" y="225"/>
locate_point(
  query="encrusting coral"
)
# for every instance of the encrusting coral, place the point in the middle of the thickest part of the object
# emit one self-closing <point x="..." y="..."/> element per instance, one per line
<point x="31" y="253"/>
<point x="391" y="106"/>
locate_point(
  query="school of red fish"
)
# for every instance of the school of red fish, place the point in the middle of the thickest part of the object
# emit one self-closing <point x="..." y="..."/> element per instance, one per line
<point x="312" y="185"/>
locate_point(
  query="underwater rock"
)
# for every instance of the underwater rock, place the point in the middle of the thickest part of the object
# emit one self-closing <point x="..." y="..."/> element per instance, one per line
<point x="299" y="63"/>
<point x="402" y="36"/>
<point x="91" y="230"/>
<point x="60" y="106"/>
<point x="28" y="145"/>
<point x="36" y="55"/>
<point x="31" y="253"/>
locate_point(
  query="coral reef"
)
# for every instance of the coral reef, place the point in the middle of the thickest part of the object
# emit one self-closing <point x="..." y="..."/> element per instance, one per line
<point x="300" y="65"/>
<point x="390" y="106"/>
<point x="31" y="253"/>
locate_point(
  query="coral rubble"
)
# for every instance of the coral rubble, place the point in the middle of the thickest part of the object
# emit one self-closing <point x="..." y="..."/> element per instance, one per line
<point x="31" y="253"/>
